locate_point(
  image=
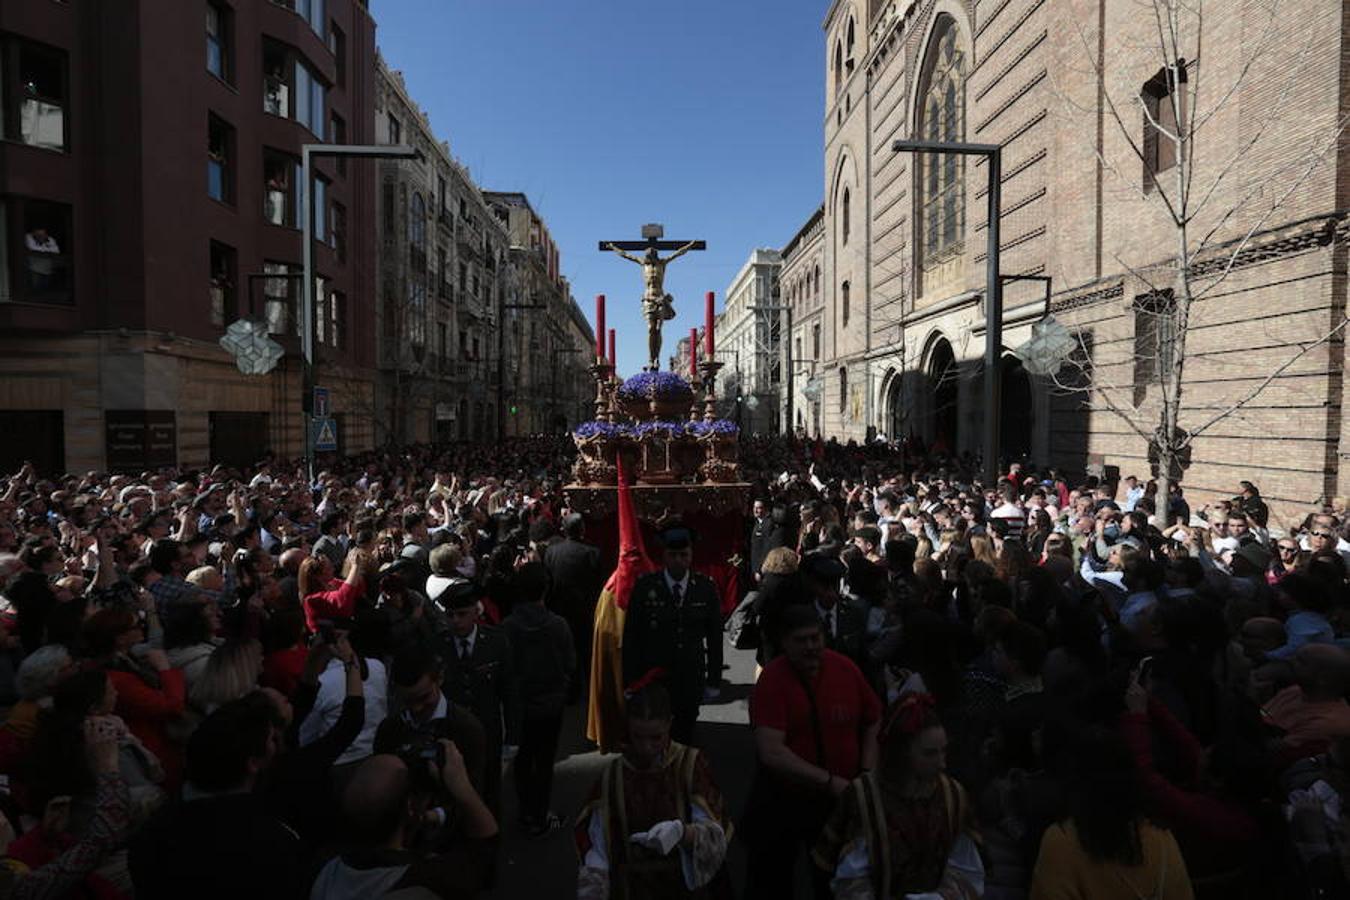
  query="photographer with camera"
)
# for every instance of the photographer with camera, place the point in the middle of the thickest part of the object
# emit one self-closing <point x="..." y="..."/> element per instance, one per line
<point x="429" y="716"/>
<point x="385" y="807"/>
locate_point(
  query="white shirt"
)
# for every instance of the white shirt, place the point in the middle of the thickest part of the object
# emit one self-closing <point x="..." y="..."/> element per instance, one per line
<point x="829" y="618"/>
<point x="328" y="706"/>
<point x="671" y="582"/>
<point x="442" y="710"/>
<point x="472" y="638"/>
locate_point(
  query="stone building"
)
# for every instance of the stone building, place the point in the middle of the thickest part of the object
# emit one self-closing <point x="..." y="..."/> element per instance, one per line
<point x="443" y="276"/>
<point x="149" y="197"/>
<point x="800" y="291"/>
<point x="545" y="333"/>
<point x="749" y="343"/>
<point x="1063" y="86"/>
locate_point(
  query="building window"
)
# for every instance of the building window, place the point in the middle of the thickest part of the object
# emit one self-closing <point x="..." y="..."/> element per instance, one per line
<point x="321" y="299"/>
<point x="443" y="345"/>
<point x="321" y="210"/>
<point x="442" y="273"/>
<point x="312" y="11"/>
<point x="1165" y="115"/>
<point x="337" y="320"/>
<point x="279" y="296"/>
<point x="941" y="192"/>
<point x="338" y="135"/>
<point x="816" y="285"/>
<point x="417" y="225"/>
<point x="222" y="285"/>
<point x="219" y="61"/>
<point x="337" y="231"/>
<point x="442" y="211"/>
<point x="395" y="130"/>
<point x="843" y="389"/>
<point x="848" y="49"/>
<point x="843" y="301"/>
<point x="309" y="99"/>
<point x="281" y="186"/>
<point x="463" y="277"/>
<point x="35" y="253"/>
<point x="390" y="212"/>
<point x="838" y="67"/>
<point x="844" y="216"/>
<point x="417" y="310"/>
<point x="815" y="341"/>
<point x="1155" y="335"/>
<point x="35" y="94"/>
<point x="276" y="80"/>
<point x="219" y="160"/>
<point x="337" y="45"/>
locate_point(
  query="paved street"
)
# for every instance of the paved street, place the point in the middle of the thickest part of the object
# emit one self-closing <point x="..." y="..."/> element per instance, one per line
<point x="545" y="869"/>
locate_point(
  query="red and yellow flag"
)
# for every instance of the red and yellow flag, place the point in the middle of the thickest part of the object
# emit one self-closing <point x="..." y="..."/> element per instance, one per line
<point x="605" y="714"/>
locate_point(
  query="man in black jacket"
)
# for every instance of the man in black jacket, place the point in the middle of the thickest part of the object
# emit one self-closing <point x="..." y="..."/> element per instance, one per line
<point x="428" y="715"/>
<point x="544" y="661"/>
<point x="480" y="674"/>
<point x="384" y="808"/>
<point x="222" y="843"/>
<point x="766" y="534"/>
<point x="575" y="569"/>
<point x="674" y="623"/>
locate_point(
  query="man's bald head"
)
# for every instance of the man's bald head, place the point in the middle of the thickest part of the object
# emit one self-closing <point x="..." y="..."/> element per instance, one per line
<point x="375" y="803"/>
<point x="291" y="560"/>
<point x="1323" y="671"/>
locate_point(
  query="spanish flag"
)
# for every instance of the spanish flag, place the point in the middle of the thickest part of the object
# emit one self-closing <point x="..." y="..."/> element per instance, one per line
<point x="604" y="714"/>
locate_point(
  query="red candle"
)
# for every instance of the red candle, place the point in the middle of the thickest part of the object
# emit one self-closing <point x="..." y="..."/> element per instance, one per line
<point x="693" y="352"/>
<point x="600" y="327"/>
<point x="708" y="328"/>
<point x="611" y="347"/>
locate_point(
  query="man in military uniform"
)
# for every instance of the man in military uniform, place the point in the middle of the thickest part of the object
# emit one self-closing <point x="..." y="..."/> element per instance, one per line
<point x="844" y="617"/>
<point x="480" y="674"/>
<point x="674" y="623"/>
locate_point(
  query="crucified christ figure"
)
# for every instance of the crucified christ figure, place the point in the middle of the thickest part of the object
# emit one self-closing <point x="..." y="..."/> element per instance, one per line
<point x="658" y="307"/>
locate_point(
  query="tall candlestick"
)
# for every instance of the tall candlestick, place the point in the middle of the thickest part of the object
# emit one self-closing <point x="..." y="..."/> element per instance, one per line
<point x="708" y="328"/>
<point x="611" y="347"/>
<point x="600" y="326"/>
<point x="693" y="353"/>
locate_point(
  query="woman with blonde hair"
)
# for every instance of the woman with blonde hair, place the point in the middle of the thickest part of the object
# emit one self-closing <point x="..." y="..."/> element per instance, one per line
<point x="982" y="548"/>
<point x="231" y="672"/>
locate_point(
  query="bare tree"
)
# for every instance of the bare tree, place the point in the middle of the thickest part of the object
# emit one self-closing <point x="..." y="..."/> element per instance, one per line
<point x="1196" y="177"/>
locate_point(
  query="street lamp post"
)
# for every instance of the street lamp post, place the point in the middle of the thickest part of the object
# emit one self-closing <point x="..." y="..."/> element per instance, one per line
<point x="307" y="153"/>
<point x="993" y="292"/>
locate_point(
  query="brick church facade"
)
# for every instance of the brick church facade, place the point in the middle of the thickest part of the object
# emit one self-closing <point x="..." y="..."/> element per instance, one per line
<point x="1075" y="92"/>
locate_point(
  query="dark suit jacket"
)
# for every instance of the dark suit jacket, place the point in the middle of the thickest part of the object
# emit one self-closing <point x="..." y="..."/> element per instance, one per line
<point x="577" y="579"/>
<point x="850" y="631"/>
<point x="766" y="535"/>
<point x="486" y="684"/>
<point x="685" y="641"/>
<point x="459" y="725"/>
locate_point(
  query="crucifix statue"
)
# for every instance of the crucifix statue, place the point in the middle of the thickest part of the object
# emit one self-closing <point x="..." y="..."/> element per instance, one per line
<point x="657" y="306"/>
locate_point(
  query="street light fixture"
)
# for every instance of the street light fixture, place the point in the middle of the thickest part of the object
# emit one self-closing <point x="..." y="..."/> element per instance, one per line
<point x="307" y="153"/>
<point x="993" y="292"/>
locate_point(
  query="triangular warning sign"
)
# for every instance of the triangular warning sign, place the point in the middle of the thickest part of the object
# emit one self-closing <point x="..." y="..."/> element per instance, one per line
<point x="326" y="435"/>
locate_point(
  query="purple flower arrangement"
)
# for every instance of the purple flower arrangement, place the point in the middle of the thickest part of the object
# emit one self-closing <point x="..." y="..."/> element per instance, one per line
<point x="607" y="430"/>
<point x="715" y="428"/>
<point x="656" y="386"/>
<point x="658" y="428"/>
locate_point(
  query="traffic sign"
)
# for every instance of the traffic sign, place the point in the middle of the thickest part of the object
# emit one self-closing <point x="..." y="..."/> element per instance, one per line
<point x="320" y="403"/>
<point x="325" y="434"/>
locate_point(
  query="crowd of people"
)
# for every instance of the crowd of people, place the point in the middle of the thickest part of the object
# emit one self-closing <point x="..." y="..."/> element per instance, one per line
<point x="250" y="683"/>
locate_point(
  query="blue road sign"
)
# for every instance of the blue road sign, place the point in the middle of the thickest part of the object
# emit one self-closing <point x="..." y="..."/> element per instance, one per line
<point x="325" y="434"/>
<point x="321" y="403"/>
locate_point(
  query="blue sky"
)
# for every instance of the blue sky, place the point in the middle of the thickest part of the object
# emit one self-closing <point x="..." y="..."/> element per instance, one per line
<point x="704" y="115"/>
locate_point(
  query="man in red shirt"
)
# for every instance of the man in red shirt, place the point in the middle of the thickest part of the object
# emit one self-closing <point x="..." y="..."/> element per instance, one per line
<point x="815" y="719"/>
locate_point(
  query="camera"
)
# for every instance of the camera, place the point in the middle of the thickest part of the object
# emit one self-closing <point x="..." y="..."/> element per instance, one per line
<point x="417" y="753"/>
